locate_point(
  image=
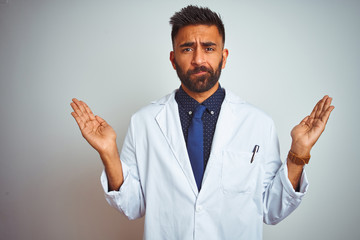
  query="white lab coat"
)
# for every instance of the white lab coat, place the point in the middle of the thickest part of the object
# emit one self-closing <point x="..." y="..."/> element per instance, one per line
<point x="236" y="196"/>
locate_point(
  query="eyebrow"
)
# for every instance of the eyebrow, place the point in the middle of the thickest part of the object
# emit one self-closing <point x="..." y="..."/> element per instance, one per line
<point x="205" y="44"/>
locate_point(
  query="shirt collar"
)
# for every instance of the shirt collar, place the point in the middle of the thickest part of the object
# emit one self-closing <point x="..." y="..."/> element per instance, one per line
<point x="213" y="103"/>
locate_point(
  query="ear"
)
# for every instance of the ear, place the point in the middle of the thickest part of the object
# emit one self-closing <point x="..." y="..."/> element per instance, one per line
<point x="172" y="59"/>
<point x="225" y="54"/>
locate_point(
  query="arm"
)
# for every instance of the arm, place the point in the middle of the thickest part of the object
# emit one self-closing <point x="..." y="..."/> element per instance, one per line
<point x="305" y="134"/>
<point x="102" y="137"/>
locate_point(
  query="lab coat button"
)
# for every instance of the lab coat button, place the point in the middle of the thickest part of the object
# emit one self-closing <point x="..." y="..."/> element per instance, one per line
<point x="198" y="208"/>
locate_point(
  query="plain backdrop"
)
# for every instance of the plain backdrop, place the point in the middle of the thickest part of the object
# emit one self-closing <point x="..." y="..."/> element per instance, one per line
<point x="284" y="56"/>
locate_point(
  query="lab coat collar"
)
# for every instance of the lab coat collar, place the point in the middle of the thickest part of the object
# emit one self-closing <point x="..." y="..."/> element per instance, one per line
<point x="168" y="120"/>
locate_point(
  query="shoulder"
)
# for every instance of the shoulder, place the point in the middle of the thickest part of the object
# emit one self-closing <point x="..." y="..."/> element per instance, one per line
<point x="242" y="108"/>
<point x="151" y="110"/>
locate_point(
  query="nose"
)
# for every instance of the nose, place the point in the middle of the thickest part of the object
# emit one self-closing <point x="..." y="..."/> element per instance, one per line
<point x="198" y="57"/>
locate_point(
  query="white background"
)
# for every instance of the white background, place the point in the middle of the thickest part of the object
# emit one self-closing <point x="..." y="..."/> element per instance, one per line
<point x="284" y="56"/>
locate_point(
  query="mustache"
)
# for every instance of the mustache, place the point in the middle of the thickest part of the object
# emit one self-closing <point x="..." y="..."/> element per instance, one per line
<point x="200" y="69"/>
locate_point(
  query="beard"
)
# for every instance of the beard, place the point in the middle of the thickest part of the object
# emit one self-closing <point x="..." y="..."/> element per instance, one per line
<point x="201" y="83"/>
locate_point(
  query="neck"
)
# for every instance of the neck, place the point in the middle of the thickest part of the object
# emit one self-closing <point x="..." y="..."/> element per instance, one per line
<point x="201" y="97"/>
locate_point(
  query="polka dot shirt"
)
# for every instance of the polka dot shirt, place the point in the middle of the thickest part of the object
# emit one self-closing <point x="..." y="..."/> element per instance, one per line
<point x="187" y="106"/>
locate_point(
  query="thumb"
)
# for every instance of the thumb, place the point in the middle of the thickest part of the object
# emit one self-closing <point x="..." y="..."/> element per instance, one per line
<point x="303" y="122"/>
<point x="101" y="121"/>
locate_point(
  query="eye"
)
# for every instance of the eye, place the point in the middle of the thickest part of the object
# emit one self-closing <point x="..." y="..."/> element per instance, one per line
<point x="209" y="49"/>
<point x="187" y="50"/>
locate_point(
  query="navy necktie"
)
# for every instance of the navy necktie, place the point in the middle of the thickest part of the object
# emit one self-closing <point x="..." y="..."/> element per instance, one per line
<point x="195" y="144"/>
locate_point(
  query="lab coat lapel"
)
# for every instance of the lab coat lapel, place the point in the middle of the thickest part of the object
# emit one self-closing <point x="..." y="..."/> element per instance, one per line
<point x="169" y="122"/>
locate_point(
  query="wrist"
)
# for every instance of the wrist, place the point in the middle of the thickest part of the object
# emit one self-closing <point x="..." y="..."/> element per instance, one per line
<point x="107" y="148"/>
<point x="297" y="160"/>
<point x="110" y="155"/>
<point x="299" y="151"/>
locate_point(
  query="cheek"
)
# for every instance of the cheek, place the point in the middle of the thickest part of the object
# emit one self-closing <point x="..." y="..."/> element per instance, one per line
<point x="183" y="63"/>
<point x="217" y="64"/>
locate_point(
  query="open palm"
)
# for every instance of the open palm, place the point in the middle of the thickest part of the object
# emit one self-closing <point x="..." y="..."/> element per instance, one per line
<point x="308" y="131"/>
<point x="94" y="129"/>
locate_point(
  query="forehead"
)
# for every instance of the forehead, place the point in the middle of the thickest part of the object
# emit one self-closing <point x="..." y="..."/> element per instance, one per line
<point x="194" y="33"/>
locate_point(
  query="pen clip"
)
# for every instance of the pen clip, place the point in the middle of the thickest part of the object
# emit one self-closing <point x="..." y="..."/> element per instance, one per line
<point x="255" y="150"/>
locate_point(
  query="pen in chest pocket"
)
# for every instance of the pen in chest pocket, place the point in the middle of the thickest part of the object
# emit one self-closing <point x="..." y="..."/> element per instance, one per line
<point x="256" y="149"/>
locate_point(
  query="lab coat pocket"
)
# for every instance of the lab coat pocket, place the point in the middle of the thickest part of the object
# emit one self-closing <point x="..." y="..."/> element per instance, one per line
<point x="238" y="174"/>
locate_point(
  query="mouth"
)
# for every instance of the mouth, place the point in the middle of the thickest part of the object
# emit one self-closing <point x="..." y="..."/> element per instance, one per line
<point x="200" y="73"/>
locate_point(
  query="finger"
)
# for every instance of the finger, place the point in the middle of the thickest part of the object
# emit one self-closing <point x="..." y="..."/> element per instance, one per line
<point x="327" y="108"/>
<point x="84" y="111"/>
<point x="101" y="121"/>
<point x="75" y="108"/>
<point x="303" y="122"/>
<point x="78" y="120"/>
<point x="80" y="109"/>
<point x="310" y="121"/>
<point x="316" y="109"/>
<point x="75" y="105"/>
<point x="312" y="114"/>
<point x="80" y="116"/>
<point x="327" y="102"/>
<point x="326" y="114"/>
<point x="320" y="106"/>
<point x="88" y="110"/>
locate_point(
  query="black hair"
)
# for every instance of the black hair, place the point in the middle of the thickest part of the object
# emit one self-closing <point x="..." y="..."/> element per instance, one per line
<point x="194" y="15"/>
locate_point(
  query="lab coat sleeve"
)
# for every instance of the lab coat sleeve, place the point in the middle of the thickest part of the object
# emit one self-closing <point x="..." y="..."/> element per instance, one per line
<point x="129" y="199"/>
<point x="280" y="198"/>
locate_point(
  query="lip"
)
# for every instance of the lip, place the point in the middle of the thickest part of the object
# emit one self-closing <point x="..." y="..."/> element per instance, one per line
<point x="200" y="73"/>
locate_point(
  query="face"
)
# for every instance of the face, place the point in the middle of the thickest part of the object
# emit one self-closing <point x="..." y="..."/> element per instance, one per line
<point x="198" y="57"/>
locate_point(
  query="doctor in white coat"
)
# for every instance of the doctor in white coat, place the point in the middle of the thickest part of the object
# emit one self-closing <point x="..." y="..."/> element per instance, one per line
<point x="243" y="185"/>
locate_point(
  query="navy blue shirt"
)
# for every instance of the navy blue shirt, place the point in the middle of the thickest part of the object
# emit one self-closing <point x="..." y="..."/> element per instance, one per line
<point x="187" y="106"/>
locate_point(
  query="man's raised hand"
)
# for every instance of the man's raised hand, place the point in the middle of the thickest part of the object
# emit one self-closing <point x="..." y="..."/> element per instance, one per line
<point x="94" y="129"/>
<point x="308" y="131"/>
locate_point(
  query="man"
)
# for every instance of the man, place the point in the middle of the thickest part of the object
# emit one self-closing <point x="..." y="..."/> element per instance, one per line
<point x="201" y="163"/>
